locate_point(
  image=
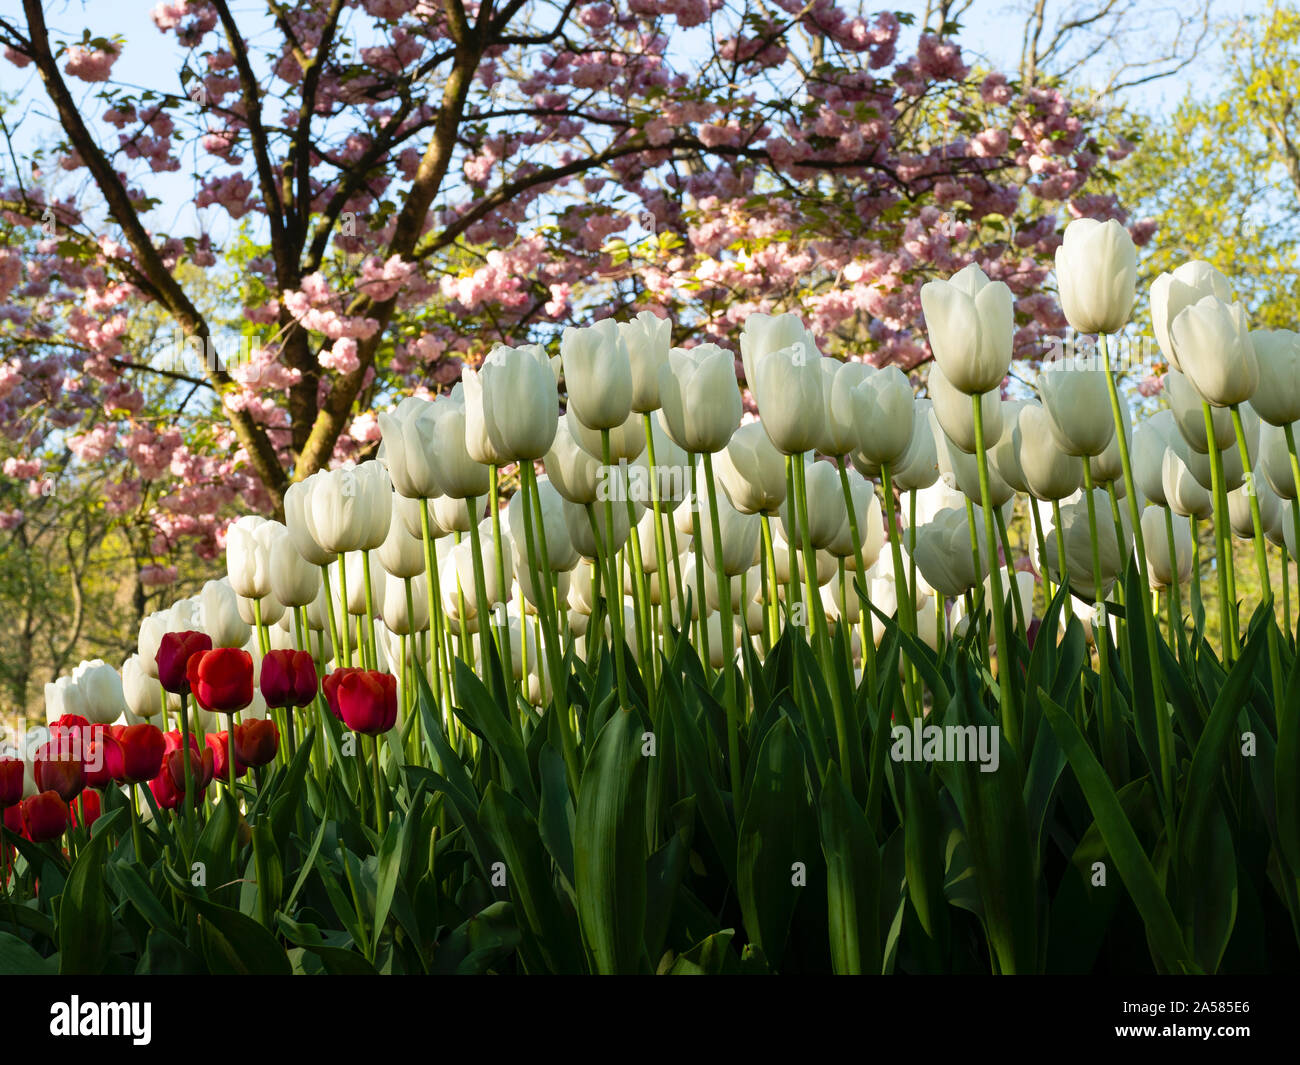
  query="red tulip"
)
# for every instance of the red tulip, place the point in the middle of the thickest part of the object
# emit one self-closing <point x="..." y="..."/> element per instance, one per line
<point x="222" y="680"/>
<point x="219" y="746"/>
<point x="201" y="768"/>
<point x="288" y="678"/>
<point x="368" y="701"/>
<point x="11" y="781"/>
<point x="256" y="742"/>
<point x="13" y="820"/>
<point x="330" y="688"/>
<point x="45" y="816"/>
<point x="69" y="722"/>
<point x="143" y="749"/>
<point x="91" y="806"/>
<point x="59" y="771"/>
<point x="174" y="654"/>
<point x="103" y="760"/>
<point x="165" y="793"/>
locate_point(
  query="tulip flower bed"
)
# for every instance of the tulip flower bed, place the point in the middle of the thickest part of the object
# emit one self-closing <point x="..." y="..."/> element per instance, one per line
<point x="696" y="701"/>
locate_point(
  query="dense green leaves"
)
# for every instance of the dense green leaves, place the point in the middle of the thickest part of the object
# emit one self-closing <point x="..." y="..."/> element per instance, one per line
<point x="495" y="859"/>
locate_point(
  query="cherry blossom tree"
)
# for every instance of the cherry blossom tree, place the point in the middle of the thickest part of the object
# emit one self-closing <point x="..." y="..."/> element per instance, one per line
<point x="386" y="188"/>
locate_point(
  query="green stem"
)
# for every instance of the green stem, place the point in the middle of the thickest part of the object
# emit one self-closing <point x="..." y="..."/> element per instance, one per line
<point x="347" y="624"/>
<point x="1010" y="712"/>
<point x="1261" y="553"/>
<point x="1222" y="542"/>
<point x="724" y="599"/>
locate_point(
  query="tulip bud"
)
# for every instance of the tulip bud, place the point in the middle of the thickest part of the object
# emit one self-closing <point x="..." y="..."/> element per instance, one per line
<point x="288" y="678"/>
<point x="961" y="471"/>
<point x="1183" y="493"/>
<point x="700" y="397"/>
<point x="826" y="511"/>
<point x="1215" y="352"/>
<point x="1188" y="413"/>
<point x="970" y="323"/>
<point x="218" y="614"/>
<point x="573" y="470"/>
<point x="45" y="817"/>
<point x="871" y="528"/>
<point x="1162" y="570"/>
<point x="455" y="514"/>
<point x="1172" y="293"/>
<point x="409" y="449"/>
<point x="511" y="406"/>
<point x="247" y="562"/>
<point x="221" y="679"/>
<point x="460" y="476"/>
<point x="394" y="612"/>
<point x="298" y="520"/>
<point x="143" y="748"/>
<point x="1077" y="403"/>
<point x="584" y="538"/>
<point x="401" y="554"/>
<point x="1277" y="397"/>
<point x="58" y="767"/>
<point x="174" y="653"/>
<point x="1096" y="272"/>
<point x="152" y="629"/>
<point x="788" y="385"/>
<point x="626" y="440"/>
<point x="597" y="374"/>
<point x="64" y="696"/>
<point x="1275" y="460"/>
<point x="256" y="742"/>
<point x="1239" y="511"/>
<point x="12" y="777"/>
<point x="560" y="552"/>
<point x="919" y="465"/>
<point x="100" y="686"/>
<point x="1150" y="439"/>
<point x="956" y="415"/>
<point x="648" y="338"/>
<point x="740" y="533"/>
<point x="751" y="472"/>
<point x="367" y="701"/>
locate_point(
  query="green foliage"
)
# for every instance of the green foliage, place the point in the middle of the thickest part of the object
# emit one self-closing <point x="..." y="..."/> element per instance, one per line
<point x="1060" y="860"/>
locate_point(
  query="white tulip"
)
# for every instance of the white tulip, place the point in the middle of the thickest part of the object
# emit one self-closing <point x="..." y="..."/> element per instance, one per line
<point x="408" y="448"/>
<point x="700" y="397"/>
<point x="1277" y="353"/>
<point x="1096" y="272"/>
<point x="956" y="413"/>
<point x="1172" y="293"/>
<point x="971" y="326"/>
<point x="648" y="338"/>
<point x="511" y="406"/>
<point x="597" y="374"/>
<point x="1215" y="351"/>
<point x="219" y="608"/>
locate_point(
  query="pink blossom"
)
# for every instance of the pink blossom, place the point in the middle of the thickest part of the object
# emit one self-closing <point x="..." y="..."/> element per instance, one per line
<point x="91" y="64"/>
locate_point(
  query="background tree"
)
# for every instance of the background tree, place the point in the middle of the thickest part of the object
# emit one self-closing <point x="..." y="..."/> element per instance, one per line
<point x="1221" y="178"/>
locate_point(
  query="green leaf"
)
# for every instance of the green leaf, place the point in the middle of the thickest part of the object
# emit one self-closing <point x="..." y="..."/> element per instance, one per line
<point x="1121" y="842"/>
<point x="707" y="958"/>
<point x="852" y="880"/>
<point x="480" y="712"/>
<point x="610" y="848"/>
<point x="85" y="916"/>
<point x="17" y="958"/>
<point x="236" y="945"/>
<point x="776" y="832"/>
<point x="528" y="879"/>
